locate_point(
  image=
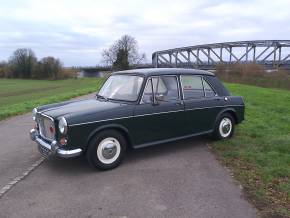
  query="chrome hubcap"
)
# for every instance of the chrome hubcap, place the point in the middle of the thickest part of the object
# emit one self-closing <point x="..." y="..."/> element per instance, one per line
<point x="108" y="150"/>
<point x="225" y="127"/>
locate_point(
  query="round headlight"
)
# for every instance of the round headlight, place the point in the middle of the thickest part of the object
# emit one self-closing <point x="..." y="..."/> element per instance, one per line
<point x="62" y="125"/>
<point x="34" y="111"/>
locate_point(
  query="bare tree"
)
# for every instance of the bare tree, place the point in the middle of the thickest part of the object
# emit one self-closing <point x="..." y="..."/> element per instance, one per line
<point x="124" y="48"/>
<point x="22" y="63"/>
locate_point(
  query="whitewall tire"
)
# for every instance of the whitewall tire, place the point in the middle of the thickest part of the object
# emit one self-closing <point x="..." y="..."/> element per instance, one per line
<point x="224" y="127"/>
<point x="106" y="150"/>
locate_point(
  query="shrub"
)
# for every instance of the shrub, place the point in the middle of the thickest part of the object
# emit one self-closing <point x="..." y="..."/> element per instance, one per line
<point x="4" y="69"/>
<point x="67" y="73"/>
<point x="253" y="74"/>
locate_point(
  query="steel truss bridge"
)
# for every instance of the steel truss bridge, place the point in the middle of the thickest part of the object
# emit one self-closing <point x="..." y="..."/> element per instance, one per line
<point x="272" y="54"/>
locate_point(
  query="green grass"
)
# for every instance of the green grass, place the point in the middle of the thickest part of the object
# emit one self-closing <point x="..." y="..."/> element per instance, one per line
<point x="259" y="153"/>
<point x="19" y="96"/>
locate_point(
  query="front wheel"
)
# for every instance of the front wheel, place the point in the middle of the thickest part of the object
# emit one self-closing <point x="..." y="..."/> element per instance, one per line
<point x="106" y="150"/>
<point x="225" y="126"/>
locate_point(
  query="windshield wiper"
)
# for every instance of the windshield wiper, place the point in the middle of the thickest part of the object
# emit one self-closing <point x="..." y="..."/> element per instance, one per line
<point x="102" y="97"/>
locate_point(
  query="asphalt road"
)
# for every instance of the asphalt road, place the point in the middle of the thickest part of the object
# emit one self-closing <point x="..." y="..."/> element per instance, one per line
<point x="180" y="179"/>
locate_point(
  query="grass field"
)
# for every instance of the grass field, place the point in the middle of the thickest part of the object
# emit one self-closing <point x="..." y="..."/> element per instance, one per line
<point x="19" y="96"/>
<point x="259" y="153"/>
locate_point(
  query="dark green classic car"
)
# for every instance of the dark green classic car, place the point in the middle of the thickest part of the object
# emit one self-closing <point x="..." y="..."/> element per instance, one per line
<point x="137" y="108"/>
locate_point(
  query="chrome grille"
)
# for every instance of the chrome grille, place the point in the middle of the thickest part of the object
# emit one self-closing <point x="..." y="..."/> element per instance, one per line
<point x="46" y="127"/>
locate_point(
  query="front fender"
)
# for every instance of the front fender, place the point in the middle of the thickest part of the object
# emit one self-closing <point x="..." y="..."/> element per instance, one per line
<point x="118" y="127"/>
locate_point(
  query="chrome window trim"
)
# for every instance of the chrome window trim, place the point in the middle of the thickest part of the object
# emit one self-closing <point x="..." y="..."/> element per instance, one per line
<point x="152" y="90"/>
<point x="178" y="87"/>
<point x="167" y="75"/>
<point x="141" y="115"/>
<point x="202" y="82"/>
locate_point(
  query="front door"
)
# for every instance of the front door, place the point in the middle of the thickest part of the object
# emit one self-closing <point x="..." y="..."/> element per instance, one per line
<point x="160" y="113"/>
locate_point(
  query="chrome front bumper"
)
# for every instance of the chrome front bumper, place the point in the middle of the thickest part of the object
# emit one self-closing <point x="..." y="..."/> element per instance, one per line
<point x="53" y="148"/>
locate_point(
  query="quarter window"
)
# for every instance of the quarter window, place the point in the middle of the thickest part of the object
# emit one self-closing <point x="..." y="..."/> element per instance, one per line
<point x="209" y="92"/>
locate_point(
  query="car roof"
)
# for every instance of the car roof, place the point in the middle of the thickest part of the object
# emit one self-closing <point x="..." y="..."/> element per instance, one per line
<point x="164" y="71"/>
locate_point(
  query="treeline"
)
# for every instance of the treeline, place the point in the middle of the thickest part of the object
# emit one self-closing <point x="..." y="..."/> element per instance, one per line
<point x="96" y="69"/>
<point x="110" y="68"/>
<point x="24" y="64"/>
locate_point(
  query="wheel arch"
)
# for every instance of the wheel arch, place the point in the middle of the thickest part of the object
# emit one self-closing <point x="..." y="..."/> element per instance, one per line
<point x="231" y="111"/>
<point x="123" y="130"/>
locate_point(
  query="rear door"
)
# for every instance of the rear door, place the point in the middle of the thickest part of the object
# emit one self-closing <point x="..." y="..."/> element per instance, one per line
<point x="201" y="102"/>
<point x="160" y="112"/>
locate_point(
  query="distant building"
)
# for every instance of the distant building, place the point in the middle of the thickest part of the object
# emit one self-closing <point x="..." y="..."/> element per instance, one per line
<point x="99" y="74"/>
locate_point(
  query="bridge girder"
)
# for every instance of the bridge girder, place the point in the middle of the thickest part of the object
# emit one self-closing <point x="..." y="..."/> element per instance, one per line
<point x="271" y="53"/>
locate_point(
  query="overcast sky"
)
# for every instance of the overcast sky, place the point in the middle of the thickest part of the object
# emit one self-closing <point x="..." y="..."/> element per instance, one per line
<point x="76" y="31"/>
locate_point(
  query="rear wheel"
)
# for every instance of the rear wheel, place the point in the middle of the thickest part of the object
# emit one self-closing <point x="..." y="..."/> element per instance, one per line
<point x="106" y="150"/>
<point x="225" y="126"/>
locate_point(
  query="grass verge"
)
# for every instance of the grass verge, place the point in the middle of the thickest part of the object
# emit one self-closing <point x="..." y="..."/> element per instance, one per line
<point x="259" y="153"/>
<point x="20" y="96"/>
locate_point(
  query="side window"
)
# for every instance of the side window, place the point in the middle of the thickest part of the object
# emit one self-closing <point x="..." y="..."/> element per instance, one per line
<point x="192" y="86"/>
<point x="209" y="92"/>
<point x="147" y="94"/>
<point x="158" y="85"/>
<point x="165" y="88"/>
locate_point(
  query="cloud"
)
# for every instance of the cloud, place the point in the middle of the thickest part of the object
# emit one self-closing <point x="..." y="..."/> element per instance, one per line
<point x="76" y="31"/>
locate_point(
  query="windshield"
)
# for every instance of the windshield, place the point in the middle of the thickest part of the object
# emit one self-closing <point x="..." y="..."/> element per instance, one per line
<point x="121" y="87"/>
